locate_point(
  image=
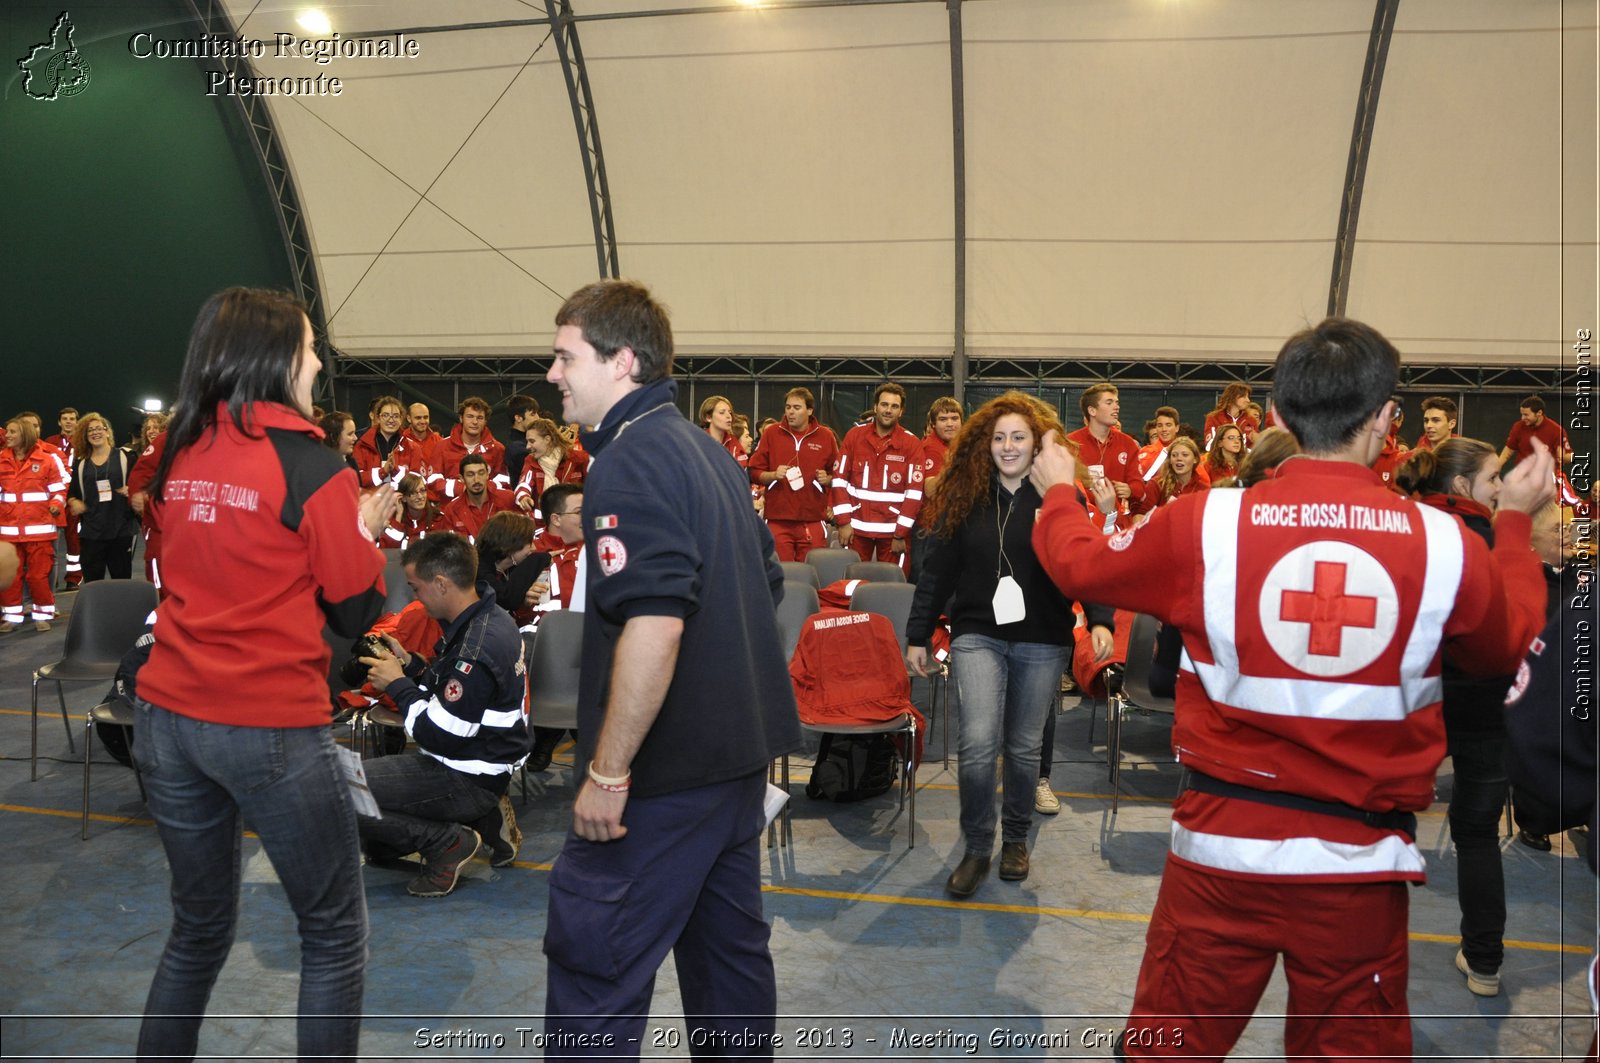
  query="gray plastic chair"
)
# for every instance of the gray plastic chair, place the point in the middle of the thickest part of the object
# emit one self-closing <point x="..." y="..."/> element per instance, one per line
<point x="1134" y="697"/>
<point x="876" y="572"/>
<point x="397" y="592"/>
<point x="800" y="571"/>
<point x="830" y="563"/>
<point x="798" y="605"/>
<point x="893" y="600"/>
<point x="107" y="712"/>
<point x="107" y="619"/>
<point x="555" y="659"/>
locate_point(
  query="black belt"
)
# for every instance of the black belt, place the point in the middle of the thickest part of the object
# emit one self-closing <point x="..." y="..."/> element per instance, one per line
<point x="1400" y="821"/>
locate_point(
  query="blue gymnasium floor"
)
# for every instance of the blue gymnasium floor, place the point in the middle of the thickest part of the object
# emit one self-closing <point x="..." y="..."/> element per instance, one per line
<point x="874" y="960"/>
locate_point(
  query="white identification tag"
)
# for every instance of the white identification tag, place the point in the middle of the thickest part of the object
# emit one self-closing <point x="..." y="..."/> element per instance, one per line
<point x="1009" y="608"/>
<point x="356" y="776"/>
<point x="773" y="803"/>
<point x="103" y="490"/>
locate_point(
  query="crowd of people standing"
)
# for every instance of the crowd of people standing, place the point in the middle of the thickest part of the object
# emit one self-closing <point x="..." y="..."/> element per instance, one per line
<point x="1018" y="534"/>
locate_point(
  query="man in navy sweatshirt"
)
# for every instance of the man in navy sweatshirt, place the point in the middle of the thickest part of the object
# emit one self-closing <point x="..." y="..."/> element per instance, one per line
<point x="684" y="700"/>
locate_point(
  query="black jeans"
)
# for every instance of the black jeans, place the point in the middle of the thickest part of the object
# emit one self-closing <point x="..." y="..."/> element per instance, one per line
<point x="1477" y="801"/>
<point x="423" y="804"/>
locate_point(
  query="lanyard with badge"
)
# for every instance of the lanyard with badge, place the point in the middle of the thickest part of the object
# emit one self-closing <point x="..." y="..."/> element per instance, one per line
<point x="1009" y="608"/>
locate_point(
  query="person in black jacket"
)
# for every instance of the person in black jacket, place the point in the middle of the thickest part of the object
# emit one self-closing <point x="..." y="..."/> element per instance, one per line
<point x="98" y="497"/>
<point x="467" y="711"/>
<point x="1462" y="476"/>
<point x="1011" y="626"/>
<point x="683" y="702"/>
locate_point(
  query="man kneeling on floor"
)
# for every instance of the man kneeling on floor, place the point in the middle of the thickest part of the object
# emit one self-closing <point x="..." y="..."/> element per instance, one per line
<point x="467" y="713"/>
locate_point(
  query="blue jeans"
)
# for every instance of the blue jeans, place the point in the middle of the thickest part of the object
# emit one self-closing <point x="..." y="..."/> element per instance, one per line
<point x="1006" y="691"/>
<point x="1477" y="801"/>
<point x="201" y="780"/>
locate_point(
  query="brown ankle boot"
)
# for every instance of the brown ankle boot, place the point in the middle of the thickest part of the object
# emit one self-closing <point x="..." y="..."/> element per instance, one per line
<point x="968" y="876"/>
<point x="1013" y="861"/>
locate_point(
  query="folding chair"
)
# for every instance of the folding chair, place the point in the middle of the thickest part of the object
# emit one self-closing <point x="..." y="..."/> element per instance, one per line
<point x="555" y="658"/>
<point x="107" y="619"/>
<point x="876" y="572"/>
<point x="830" y="562"/>
<point x="893" y="600"/>
<point x="873" y="636"/>
<point x="799" y="571"/>
<point x="115" y="713"/>
<point x="1134" y="697"/>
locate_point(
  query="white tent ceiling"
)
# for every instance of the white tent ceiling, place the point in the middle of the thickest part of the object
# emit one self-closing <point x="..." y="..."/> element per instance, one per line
<point x="1144" y="179"/>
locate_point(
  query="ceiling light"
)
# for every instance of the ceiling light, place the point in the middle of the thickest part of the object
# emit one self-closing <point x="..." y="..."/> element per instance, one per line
<point x="314" y="20"/>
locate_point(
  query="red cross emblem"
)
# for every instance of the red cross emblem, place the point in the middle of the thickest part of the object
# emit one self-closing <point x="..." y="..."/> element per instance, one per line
<point x="1328" y="609"/>
<point x="611" y="553"/>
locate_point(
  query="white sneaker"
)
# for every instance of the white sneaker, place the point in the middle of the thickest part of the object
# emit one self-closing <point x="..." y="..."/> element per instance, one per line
<point x="1480" y="984"/>
<point x="1045" y="799"/>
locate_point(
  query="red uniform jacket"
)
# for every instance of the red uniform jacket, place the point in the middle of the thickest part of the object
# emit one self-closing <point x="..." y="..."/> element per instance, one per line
<point x="934" y="450"/>
<point x="1217" y="419"/>
<point x="63" y="444"/>
<point x="878" y="481"/>
<point x="730" y="443"/>
<point x="811" y="451"/>
<point x="1195" y="486"/>
<point x="445" y="479"/>
<point x="462" y="517"/>
<point x="1388" y="461"/>
<point x="1120" y="456"/>
<point x="29" y="487"/>
<point x="425" y="447"/>
<point x="139" y="477"/>
<point x="406" y="529"/>
<point x="563" y="571"/>
<point x="1521" y="437"/>
<point x="406" y="456"/>
<point x="262" y="546"/>
<point x="533" y="482"/>
<point x="1315" y="608"/>
<point x="847" y="669"/>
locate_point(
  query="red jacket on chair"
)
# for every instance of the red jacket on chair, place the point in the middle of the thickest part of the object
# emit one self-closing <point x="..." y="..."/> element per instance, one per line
<point x="847" y="669"/>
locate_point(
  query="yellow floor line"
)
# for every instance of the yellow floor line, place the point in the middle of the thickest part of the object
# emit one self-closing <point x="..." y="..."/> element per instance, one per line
<point x="884" y="898"/>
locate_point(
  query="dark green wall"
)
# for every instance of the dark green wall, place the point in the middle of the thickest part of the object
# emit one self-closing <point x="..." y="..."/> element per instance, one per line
<point x="121" y="209"/>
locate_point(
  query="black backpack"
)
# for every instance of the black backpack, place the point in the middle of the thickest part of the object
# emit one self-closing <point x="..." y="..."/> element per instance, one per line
<point x="853" y="767"/>
<point x="118" y="739"/>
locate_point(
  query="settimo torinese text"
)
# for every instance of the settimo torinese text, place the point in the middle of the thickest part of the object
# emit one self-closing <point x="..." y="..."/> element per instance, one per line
<point x="317" y="50"/>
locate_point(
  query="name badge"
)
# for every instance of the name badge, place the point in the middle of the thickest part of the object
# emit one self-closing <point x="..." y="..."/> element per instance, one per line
<point x="1009" y="608"/>
<point x="103" y="490"/>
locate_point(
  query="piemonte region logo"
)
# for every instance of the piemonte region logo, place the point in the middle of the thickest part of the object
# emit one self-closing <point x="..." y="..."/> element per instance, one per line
<point x="55" y="69"/>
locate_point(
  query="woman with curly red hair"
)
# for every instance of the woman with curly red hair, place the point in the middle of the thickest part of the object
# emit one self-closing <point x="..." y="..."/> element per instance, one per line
<point x="1011" y="627"/>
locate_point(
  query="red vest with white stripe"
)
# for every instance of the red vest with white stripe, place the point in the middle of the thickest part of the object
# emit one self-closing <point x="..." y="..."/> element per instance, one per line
<point x="1321" y="658"/>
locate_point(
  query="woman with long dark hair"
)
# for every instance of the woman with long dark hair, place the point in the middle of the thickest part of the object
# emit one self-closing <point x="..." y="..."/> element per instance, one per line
<point x="339" y="436"/>
<point x="1462" y="476"/>
<point x="265" y="542"/>
<point x="1011" y="626"/>
<point x="1227" y="451"/>
<point x="1232" y="408"/>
